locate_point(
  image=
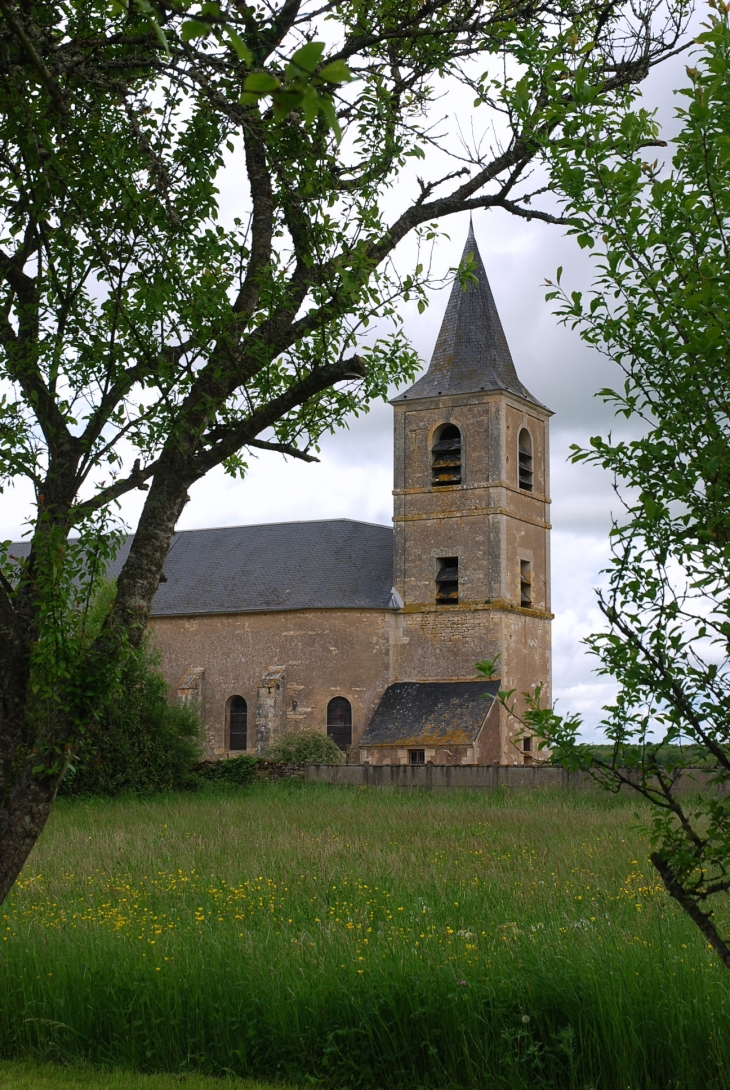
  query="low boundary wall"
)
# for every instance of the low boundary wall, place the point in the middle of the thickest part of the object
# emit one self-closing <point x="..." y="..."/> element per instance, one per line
<point x="477" y="777"/>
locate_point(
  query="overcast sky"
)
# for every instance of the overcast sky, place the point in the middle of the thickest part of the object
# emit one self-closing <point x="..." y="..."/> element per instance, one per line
<point x="354" y="477"/>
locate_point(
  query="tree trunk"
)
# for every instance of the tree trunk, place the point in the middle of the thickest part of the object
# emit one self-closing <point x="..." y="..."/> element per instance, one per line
<point x="703" y="920"/>
<point x="26" y="804"/>
<point x="140" y="576"/>
<point x="22" y="821"/>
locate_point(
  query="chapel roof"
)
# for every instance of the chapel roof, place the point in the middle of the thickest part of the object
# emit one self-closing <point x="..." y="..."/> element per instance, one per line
<point x="328" y="564"/>
<point x="430" y="713"/>
<point x="471" y="352"/>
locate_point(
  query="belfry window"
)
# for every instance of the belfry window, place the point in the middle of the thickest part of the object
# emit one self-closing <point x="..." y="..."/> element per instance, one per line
<point x="339" y="721"/>
<point x="524" y="454"/>
<point x="446" y="456"/>
<point x="237" y="723"/>
<point x="525" y="583"/>
<point x="447" y="581"/>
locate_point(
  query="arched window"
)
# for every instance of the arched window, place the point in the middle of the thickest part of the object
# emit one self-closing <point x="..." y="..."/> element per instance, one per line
<point x="237" y="723"/>
<point x="525" y="460"/>
<point x="339" y="721"/>
<point x="446" y="456"/>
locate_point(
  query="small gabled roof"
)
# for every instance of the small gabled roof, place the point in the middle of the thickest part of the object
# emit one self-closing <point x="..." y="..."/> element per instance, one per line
<point x="430" y="713"/>
<point x="471" y="352"/>
<point x="328" y="564"/>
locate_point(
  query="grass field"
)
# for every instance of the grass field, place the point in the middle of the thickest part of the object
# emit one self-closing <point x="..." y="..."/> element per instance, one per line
<point x="304" y="933"/>
<point x="33" y="1076"/>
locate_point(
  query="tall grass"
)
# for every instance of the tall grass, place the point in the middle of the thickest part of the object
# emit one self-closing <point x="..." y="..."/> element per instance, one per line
<point x="361" y="938"/>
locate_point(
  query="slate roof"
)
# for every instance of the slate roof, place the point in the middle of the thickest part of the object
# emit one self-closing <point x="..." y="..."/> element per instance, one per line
<point x="22" y="548"/>
<point x="471" y="352"/>
<point x="430" y="713"/>
<point x="332" y="564"/>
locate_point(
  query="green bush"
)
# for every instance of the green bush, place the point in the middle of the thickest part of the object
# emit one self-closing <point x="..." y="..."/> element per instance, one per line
<point x="305" y="747"/>
<point x="237" y="771"/>
<point x="141" y="743"/>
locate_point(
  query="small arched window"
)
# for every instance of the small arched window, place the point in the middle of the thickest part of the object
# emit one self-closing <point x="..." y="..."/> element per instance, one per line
<point x="339" y="721"/>
<point x="446" y="456"/>
<point x="525" y="460"/>
<point x="237" y="723"/>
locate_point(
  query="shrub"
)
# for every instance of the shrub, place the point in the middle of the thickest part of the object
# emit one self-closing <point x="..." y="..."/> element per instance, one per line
<point x="305" y="747"/>
<point x="141" y="743"/>
<point x="238" y="771"/>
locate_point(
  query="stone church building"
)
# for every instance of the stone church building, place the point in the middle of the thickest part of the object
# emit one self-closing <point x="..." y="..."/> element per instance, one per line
<point x="371" y="633"/>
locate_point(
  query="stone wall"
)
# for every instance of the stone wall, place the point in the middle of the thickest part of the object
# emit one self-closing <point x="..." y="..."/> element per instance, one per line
<point x="287" y="666"/>
<point x="479" y="777"/>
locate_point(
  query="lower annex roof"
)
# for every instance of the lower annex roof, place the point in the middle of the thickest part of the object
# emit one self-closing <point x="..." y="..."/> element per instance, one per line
<point x="430" y="713"/>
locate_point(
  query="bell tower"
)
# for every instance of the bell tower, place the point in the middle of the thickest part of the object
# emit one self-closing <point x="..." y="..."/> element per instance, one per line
<point x="472" y="556"/>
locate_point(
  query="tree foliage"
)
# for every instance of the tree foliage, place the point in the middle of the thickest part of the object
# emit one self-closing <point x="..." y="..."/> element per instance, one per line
<point x="149" y="334"/>
<point x="660" y="308"/>
<point x="138" y="741"/>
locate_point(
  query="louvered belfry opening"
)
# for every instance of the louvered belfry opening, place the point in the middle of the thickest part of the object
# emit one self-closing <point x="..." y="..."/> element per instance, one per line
<point x="525" y="583"/>
<point x="446" y="456"/>
<point x="447" y="581"/>
<point x="525" y="459"/>
<point x="339" y="721"/>
<point x="237" y="723"/>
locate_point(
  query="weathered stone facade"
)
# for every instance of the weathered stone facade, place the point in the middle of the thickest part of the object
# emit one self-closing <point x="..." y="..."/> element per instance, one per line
<point x="471" y="579"/>
<point x="490" y="524"/>
<point x="320" y="654"/>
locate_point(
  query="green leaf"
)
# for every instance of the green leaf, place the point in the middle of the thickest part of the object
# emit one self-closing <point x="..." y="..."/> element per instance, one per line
<point x="261" y="83"/>
<point x="336" y="72"/>
<point x="285" y="101"/>
<point x="240" y="47"/>
<point x="328" y="109"/>
<point x="194" y="29"/>
<point x="307" y="58"/>
<point x="311" y="104"/>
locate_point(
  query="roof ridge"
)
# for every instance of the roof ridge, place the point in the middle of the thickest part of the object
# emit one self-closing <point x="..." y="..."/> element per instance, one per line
<point x="283" y="522"/>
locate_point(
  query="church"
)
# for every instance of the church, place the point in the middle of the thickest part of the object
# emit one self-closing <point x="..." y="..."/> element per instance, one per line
<point x="371" y="634"/>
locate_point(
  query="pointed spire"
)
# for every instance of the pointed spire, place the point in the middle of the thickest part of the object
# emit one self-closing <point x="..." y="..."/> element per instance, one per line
<point x="471" y="352"/>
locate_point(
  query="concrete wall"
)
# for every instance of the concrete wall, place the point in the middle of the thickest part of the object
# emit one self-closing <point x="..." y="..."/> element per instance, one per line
<point x="311" y="655"/>
<point x="480" y="777"/>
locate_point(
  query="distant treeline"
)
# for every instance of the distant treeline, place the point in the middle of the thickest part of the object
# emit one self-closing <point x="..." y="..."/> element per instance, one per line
<point x="690" y="756"/>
